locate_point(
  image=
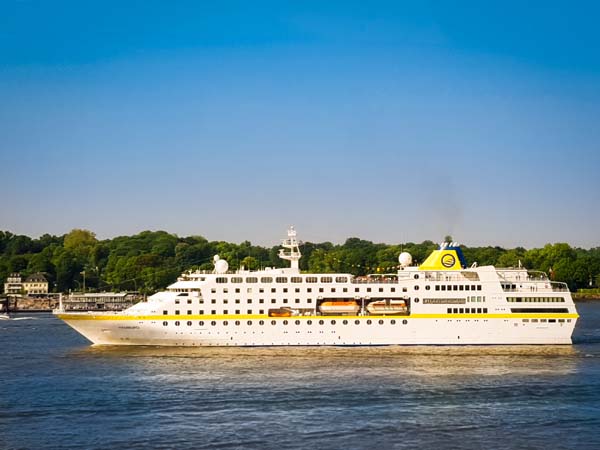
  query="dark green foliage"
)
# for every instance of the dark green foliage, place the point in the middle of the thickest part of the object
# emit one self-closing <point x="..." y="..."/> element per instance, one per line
<point x="151" y="260"/>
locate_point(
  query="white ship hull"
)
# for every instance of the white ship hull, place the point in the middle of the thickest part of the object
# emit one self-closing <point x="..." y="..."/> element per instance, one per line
<point x="358" y="331"/>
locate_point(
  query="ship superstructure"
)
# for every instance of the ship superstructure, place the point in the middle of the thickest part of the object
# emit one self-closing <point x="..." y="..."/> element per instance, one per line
<point x="440" y="302"/>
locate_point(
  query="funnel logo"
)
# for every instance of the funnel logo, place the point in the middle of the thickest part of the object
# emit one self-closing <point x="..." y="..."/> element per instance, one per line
<point x="448" y="260"/>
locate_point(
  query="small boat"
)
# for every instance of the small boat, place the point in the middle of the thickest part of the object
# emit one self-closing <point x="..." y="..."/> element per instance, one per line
<point x="387" y="306"/>
<point x="4" y="316"/>
<point x="339" y="307"/>
<point x="280" y="312"/>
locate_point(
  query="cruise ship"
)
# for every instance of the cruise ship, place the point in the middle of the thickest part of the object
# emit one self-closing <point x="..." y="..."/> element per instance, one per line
<point x="442" y="301"/>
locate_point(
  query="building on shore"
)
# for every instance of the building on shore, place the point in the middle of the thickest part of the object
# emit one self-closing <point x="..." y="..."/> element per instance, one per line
<point x="35" y="284"/>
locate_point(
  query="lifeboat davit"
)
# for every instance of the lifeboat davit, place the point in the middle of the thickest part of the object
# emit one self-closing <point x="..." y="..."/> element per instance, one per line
<point x="339" y="307"/>
<point x="387" y="307"/>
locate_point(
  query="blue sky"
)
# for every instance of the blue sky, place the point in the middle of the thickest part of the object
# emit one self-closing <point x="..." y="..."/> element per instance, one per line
<point x="390" y="121"/>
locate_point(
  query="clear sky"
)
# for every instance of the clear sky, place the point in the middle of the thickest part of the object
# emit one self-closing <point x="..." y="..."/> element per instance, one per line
<point x="390" y="121"/>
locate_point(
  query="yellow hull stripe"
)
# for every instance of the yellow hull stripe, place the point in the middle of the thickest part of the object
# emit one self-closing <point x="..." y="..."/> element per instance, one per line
<point x="85" y="316"/>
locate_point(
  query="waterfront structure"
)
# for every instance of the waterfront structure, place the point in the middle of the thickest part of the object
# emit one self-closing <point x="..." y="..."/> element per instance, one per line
<point x="35" y="284"/>
<point x="109" y="301"/>
<point x="442" y="301"/>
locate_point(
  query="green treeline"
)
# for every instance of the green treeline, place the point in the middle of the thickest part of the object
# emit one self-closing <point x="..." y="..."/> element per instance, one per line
<point x="151" y="260"/>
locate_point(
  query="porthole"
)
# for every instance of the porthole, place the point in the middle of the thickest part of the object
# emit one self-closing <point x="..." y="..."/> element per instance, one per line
<point x="416" y="300"/>
<point x="297" y="322"/>
<point x="249" y="322"/>
<point x="369" y="322"/>
<point x="237" y="322"/>
<point x="345" y="322"/>
<point x="189" y="323"/>
<point x="225" y="323"/>
<point x="261" y="322"/>
<point x="416" y="288"/>
<point x="273" y="322"/>
<point x="309" y="322"/>
<point x="177" y="323"/>
<point x="416" y="276"/>
<point x="285" y="322"/>
<point x="393" y="322"/>
<point x="381" y="322"/>
<point x="165" y="323"/>
<point x="404" y="322"/>
<point x="333" y="322"/>
<point x="427" y="287"/>
<point x="321" y="322"/>
<point x="201" y="323"/>
<point x="357" y="322"/>
<point x="213" y="323"/>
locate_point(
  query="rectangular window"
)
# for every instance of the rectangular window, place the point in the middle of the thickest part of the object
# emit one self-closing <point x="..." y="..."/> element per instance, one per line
<point x="165" y="313"/>
<point x="201" y="311"/>
<point x="237" y="290"/>
<point x="262" y="300"/>
<point x="249" y="311"/>
<point x="237" y="311"/>
<point x="189" y="312"/>
<point x="455" y="310"/>
<point x="273" y="290"/>
<point x="236" y="279"/>
<point x="449" y="310"/>
<point x="326" y="280"/>
<point x="251" y="280"/>
<point x="341" y="279"/>
<point x="437" y="288"/>
<point x="225" y="311"/>
<point x="461" y="288"/>
<point x="311" y="279"/>
<point x="281" y="279"/>
<point x="266" y="280"/>
<point x="214" y="311"/>
<point x="485" y="310"/>
<point x="261" y="290"/>
<point x="478" y="310"/>
<point x="237" y="300"/>
<point x="296" y="279"/>
<point x="177" y="312"/>
<point x="189" y="301"/>
<point x="249" y="301"/>
<point x="461" y="310"/>
<point x="346" y="289"/>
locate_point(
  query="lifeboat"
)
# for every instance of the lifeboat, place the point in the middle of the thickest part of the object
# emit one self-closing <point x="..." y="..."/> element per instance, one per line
<point x="387" y="307"/>
<point x="339" y="307"/>
<point x="280" y="312"/>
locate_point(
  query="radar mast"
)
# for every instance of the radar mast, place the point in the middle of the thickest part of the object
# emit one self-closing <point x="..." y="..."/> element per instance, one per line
<point x="293" y="251"/>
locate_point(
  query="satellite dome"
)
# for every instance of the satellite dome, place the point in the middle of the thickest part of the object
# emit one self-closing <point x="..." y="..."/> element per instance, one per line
<point x="216" y="258"/>
<point x="405" y="259"/>
<point x="221" y="266"/>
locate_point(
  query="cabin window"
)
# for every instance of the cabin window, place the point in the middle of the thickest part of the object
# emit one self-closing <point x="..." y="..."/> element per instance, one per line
<point x="281" y="280"/>
<point x="341" y="279"/>
<point x="381" y="322"/>
<point x="393" y="322"/>
<point x="177" y="302"/>
<point x="321" y="322"/>
<point x="236" y="279"/>
<point x="225" y="311"/>
<point x="416" y="288"/>
<point x="345" y="322"/>
<point x="479" y="287"/>
<point x="357" y="322"/>
<point x="380" y="289"/>
<point x="266" y="280"/>
<point x="201" y="323"/>
<point x="221" y="280"/>
<point x="176" y="312"/>
<point x="189" y="323"/>
<point x="177" y="323"/>
<point x="369" y="322"/>
<point x="297" y="300"/>
<point x="309" y="322"/>
<point x="214" y="311"/>
<point x="189" y="301"/>
<point x="449" y="310"/>
<point x="261" y="322"/>
<point x="273" y="290"/>
<point x="273" y="322"/>
<point x="251" y="280"/>
<point x="332" y="289"/>
<point x="368" y="289"/>
<point x="333" y="322"/>
<point x="392" y="289"/>
<point x="237" y="290"/>
<point x="165" y="323"/>
<point x="311" y="279"/>
<point x="485" y="310"/>
<point x="165" y="313"/>
<point x="326" y="280"/>
<point x="249" y="322"/>
<point x="189" y="312"/>
<point x="237" y="311"/>
<point x="296" y="279"/>
<point x="201" y="311"/>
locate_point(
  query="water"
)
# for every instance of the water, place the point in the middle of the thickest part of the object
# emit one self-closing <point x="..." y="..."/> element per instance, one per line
<point x="58" y="392"/>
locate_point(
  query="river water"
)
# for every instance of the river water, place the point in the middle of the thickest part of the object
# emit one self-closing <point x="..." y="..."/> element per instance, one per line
<point x="59" y="392"/>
